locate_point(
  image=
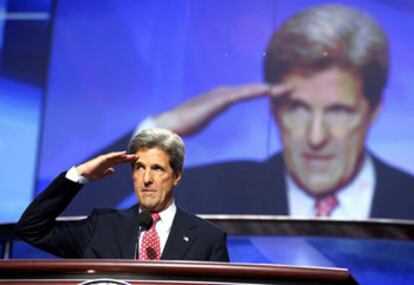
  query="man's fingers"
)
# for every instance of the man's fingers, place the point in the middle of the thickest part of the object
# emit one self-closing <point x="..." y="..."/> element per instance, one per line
<point x="119" y="157"/>
<point x="280" y="90"/>
<point x="124" y="158"/>
<point x="251" y="91"/>
<point x="114" y="155"/>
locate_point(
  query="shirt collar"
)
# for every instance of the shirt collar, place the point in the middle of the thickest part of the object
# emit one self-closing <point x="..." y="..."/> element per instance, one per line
<point x="166" y="216"/>
<point x="356" y="198"/>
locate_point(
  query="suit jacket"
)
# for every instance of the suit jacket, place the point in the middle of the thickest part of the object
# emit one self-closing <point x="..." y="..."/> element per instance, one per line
<point x="246" y="187"/>
<point x="111" y="233"/>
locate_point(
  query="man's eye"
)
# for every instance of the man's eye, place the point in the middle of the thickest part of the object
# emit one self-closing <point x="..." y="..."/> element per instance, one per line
<point x="295" y="107"/>
<point x="138" y="166"/>
<point x="158" y="168"/>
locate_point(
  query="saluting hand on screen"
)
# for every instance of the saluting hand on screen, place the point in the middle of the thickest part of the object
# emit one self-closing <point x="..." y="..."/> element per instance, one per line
<point x="194" y="115"/>
<point x="103" y="165"/>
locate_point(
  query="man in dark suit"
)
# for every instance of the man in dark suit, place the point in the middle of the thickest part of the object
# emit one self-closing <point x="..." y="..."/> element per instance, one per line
<point x="157" y="157"/>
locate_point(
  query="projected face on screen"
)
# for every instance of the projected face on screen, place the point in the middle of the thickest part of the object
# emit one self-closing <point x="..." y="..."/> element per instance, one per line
<point x="206" y="69"/>
<point x="323" y="126"/>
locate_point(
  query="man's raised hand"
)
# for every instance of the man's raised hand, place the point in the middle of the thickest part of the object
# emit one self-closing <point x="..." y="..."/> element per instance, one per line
<point x="192" y="116"/>
<point x="103" y="165"/>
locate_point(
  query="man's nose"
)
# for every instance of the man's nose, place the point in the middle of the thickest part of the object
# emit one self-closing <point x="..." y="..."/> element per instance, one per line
<point x="317" y="131"/>
<point x="148" y="178"/>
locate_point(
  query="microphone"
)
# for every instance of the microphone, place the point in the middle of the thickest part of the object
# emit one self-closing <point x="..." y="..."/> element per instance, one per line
<point x="144" y="220"/>
<point x="144" y="223"/>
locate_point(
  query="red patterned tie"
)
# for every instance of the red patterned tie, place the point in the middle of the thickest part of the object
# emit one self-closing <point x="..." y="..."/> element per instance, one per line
<point x="326" y="205"/>
<point x="150" y="248"/>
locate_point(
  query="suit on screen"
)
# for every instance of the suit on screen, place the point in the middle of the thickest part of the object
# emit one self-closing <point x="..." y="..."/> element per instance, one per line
<point x="259" y="188"/>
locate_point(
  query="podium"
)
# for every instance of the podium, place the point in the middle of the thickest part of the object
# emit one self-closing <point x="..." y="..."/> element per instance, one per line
<point x="109" y="272"/>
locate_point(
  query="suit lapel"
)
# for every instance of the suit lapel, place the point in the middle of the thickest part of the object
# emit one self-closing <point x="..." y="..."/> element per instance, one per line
<point x="181" y="237"/>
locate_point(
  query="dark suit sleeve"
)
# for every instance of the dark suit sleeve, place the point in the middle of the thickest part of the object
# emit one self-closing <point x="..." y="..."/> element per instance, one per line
<point x="219" y="250"/>
<point x="38" y="225"/>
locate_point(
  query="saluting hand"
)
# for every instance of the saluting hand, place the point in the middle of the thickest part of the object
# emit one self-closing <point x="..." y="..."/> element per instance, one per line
<point x="103" y="165"/>
<point x="192" y="116"/>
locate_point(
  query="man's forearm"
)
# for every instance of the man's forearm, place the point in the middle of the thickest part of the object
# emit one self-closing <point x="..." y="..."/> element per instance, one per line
<point x="39" y="218"/>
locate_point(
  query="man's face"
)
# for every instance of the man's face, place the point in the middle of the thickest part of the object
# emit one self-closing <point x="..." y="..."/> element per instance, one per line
<point x="154" y="179"/>
<point x="323" y="125"/>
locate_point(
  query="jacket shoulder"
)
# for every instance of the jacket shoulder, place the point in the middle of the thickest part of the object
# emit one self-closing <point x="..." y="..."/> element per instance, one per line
<point x="394" y="192"/>
<point x="392" y="174"/>
<point x="196" y="221"/>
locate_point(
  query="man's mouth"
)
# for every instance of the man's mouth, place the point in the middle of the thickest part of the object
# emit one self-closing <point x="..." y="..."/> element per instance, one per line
<point x="317" y="156"/>
<point x="317" y="161"/>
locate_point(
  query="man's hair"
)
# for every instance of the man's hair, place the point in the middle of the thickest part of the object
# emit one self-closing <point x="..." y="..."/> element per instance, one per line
<point x="326" y="36"/>
<point x="166" y="140"/>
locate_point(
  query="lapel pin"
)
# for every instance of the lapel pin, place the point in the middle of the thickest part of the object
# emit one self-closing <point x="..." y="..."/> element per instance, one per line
<point x="186" y="238"/>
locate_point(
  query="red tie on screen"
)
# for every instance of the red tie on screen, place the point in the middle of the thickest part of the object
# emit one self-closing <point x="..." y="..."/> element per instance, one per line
<point x="326" y="205"/>
<point x="150" y="248"/>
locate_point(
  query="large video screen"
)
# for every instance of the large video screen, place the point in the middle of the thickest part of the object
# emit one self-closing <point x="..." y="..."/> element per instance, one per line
<point x="280" y="103"/>
<point x="24" y="53"/>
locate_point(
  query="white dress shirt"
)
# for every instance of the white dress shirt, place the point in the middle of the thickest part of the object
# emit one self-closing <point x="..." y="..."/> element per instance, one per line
<point x="354" y="200"/>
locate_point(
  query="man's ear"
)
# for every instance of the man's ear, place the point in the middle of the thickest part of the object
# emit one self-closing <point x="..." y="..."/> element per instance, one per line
<point x="177" y="178"/>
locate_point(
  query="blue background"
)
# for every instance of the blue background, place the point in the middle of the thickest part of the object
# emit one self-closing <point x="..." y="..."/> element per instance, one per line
<point x="24" y="44"/>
